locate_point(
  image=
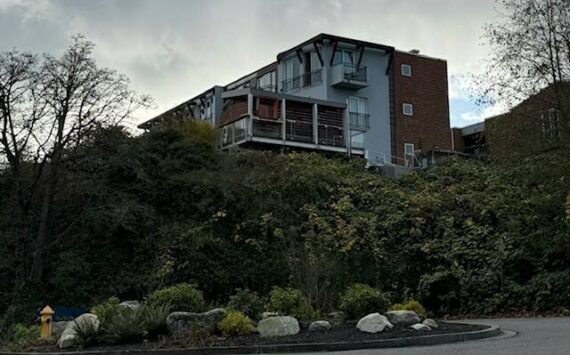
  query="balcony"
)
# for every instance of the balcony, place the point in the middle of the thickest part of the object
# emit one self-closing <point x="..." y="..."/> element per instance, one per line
<point x="308" y="79"/>
<point x="359" y="121"/>
<point x="349" y="76"/>
<point x="253" y="117"/>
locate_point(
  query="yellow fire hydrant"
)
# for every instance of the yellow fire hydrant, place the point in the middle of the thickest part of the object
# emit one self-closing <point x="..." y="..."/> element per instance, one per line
<point x="46" y="315"/>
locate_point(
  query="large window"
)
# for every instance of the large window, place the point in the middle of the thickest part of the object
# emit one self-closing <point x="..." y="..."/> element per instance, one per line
<point x="267" y="82"/>
<point x="343" y="56"/>
<point x="358" y="105"/>
<point x="358" y="112"/>
<point x="290" y="74"/>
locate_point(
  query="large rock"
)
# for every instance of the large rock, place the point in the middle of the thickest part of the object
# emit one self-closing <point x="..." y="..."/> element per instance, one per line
<point x="373" y="323"/>
<point x="182" y="323"/>
<point x="269" y="314"/>
<point x="69" y="336"/>
<point x="131" y="304"/>
<point x="420" y="326"/>
<point x="336" y="318"/>
<point x="319" y="325"/>
<point x="430" y="323"/>
<point x="402" y="317"/>
<point x="278" y="326"/>
<point x="58" y="327"/>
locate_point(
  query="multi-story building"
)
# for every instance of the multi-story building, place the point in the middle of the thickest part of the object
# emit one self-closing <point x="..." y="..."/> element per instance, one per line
<point x="334" y="94"/>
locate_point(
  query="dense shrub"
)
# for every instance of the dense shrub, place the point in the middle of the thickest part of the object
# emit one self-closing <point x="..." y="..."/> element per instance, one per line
<point x="289" y="301"/>
<point x="235" y="323"/>
<point x="166" y="207"/>
<point x="154" y="319"/>
<point x="181" y="297"/>
<point x="107" y="310"/>
<point x="410" y="305"/>
<point x="359" y="300"/>
<point x="247" y="302"/>
<point x="126" y="326"/>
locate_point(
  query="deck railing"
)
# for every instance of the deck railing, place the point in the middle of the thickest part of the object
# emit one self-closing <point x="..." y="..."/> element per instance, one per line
<point x="304" y="80"/>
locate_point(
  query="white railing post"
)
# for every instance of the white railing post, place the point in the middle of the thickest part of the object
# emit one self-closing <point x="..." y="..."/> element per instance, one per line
<point x="316" y="123"/>
<point x="284" y="119"/>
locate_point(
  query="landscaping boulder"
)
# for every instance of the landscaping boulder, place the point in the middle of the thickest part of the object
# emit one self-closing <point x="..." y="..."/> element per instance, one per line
<point x="131" y="304"/>
<point x="69" y="336"/>
<point x="182" y="323"/>
<point x="278" y="326"/>
<point x="58" y="327"/>
<point x="269" y="314"/>
<point x="373" y="323"/>
<point x="336" y="318"/>
<point x="420" y="326"/>
<point x="430" y="323"/>
<point x="402" y="317"/>
<point x="320" y="325"/>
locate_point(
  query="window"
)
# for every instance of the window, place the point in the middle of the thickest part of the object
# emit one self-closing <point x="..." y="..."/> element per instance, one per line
<point x="289" y="69"/>
<point x="358" y="104"/>
<point x="406" y="70"/>
<point x="357" y="140"/>
<point x="343" y="56"/>
<point x="290" y="74"/>
<point x="267" y="82"/>
<point x="409" y="149"/>
<point x="408" y="109"/>
<point x="409" y="154"/>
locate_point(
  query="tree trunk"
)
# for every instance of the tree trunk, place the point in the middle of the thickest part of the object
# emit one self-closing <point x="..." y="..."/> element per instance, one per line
<point x="41" y="242"/>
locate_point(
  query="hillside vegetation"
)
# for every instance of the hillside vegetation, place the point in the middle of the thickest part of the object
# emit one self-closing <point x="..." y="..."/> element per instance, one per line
<point x="135" y="214"/>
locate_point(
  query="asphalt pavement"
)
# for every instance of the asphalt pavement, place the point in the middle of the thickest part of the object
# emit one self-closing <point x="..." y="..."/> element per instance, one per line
<point x="524" y="336"/>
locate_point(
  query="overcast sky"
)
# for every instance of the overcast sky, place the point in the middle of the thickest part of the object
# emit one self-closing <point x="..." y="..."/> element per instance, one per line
<point x="175" y="49"/>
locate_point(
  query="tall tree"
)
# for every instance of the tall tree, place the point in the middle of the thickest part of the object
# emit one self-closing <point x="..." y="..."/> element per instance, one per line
<point x="48" y="105"/>
<point x="530" y="49"/>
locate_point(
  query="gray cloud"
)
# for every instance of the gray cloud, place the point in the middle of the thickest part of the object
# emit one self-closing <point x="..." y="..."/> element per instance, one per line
<point x="174" y="49"/>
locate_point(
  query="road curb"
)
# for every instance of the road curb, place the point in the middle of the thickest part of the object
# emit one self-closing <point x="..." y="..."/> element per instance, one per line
<point x="423" y="340"/>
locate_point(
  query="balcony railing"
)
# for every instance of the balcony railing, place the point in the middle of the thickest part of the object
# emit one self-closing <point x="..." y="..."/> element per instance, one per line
<point x="349" y="76"/>
<point x="354" y="72"/>
<point x="359" y="121"/>
<point x="305" y="80"/>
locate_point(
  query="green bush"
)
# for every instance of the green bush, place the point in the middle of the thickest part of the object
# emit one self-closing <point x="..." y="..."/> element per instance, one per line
<point x="359" y="300"/>
<point x="289" y="301"/>
<point x="107" y="310"/>
<point x="247" y="302"/>
<point x="126" y="326"/>
<point x="410" y="305"/>
<point x="24" y="334"/>
<point x="154" y="319"/>
<point x="88" y="332"/>
<point x="235" y="323"/>
<point x="181" y="297"/>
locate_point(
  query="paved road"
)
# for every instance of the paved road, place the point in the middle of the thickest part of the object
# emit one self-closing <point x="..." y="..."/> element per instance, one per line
<point x="542" y="336"/>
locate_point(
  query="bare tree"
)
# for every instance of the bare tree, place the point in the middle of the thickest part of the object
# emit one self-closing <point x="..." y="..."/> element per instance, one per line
<point x="47" y="106"/>
<point x="530" y="49"/>
<point x="530" y="63"/>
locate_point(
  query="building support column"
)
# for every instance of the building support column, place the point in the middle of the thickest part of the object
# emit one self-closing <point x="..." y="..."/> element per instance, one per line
<point x="346" y="127"/>
<point x="284" y="120"/>
<point x="250" y="115"/>
<point x="316" y="124"/>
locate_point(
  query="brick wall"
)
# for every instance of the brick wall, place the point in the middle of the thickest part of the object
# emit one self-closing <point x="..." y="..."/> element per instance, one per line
<point x="426" y="89"/>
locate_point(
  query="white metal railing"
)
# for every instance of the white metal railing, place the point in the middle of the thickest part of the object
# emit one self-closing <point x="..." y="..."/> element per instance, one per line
<point x="378" y="158"/>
